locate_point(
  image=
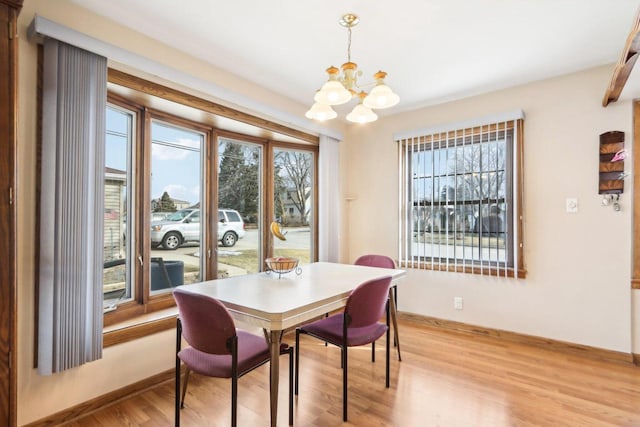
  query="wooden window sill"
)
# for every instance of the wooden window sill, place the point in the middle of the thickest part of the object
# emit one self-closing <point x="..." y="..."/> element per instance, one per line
<point x="140" y="326"/>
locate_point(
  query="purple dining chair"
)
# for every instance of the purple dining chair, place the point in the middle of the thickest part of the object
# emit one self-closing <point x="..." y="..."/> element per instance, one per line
<point x="357" y="325"/>
<point x="383" y="261"/>
<point x="216" y="348"/>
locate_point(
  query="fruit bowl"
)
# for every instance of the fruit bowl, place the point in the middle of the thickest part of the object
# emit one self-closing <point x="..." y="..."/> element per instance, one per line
<point x="282" y="265"/>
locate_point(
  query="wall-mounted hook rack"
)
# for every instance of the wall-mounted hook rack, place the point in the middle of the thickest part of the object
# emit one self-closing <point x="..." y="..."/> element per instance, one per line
<point x="613" y="200"/>
<point x="612" y="155"/>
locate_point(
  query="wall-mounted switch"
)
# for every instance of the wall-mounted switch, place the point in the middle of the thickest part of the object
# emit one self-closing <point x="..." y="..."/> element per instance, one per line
<point x="572" y="205"/>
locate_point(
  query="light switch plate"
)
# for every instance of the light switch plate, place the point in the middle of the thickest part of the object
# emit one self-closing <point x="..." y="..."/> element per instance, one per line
<point x="572" y="205"/>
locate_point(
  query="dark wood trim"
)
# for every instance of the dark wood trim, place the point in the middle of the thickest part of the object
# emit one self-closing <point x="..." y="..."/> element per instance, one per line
<point x="15" y="4"/>
<point x="9" y="11"/>
<point x="268" y="214"/>
<point x="38" y="179"/>
<point x="544" y="343"/>
<point x="100" y="402"/>
<point x="139" y="330"/>
<point x="211" y="227"/>
<point x="146" y="86"/>
<point x="134" y="309"/>
<point x="625" y="64"/>
<point x="212" y="190"/>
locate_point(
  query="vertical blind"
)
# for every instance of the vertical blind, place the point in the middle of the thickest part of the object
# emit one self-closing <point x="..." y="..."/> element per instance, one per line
<point x="459" y="198"/>
<point x="329" y="200"/>
<point x="71" y="207"/>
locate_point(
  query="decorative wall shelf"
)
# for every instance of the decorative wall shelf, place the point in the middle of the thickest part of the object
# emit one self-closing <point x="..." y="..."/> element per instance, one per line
<point x="611" y="169"/>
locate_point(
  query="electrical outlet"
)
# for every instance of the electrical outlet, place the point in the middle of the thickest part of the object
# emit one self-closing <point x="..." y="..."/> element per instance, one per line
<point x="457" y="303"/>
<point x="572" y="205"/>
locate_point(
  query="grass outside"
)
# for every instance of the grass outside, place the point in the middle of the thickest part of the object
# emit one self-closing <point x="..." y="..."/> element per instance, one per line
<point x="248" y="259"/>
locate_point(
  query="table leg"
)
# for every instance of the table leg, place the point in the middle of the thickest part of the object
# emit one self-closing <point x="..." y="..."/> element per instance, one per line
<point x="274" y="378"/>
<point x="393" y="310"/>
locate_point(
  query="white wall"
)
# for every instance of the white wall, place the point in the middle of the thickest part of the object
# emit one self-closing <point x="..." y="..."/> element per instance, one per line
<point x="578" y="283"/>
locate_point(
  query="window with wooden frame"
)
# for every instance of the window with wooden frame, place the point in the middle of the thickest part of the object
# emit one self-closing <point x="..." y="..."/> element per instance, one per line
<point x="461" y="197"/>
<point x="151" y="247"/>
<point x="172" y="184"/>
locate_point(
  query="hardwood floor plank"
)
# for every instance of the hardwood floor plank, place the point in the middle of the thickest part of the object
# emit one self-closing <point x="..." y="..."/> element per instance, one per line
<point x="446" y="378"/>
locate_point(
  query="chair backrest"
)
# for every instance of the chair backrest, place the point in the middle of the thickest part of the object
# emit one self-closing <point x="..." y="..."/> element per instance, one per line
<point x="372" y="260"/>
<point x="206" y="324"/>
<point x="366" y="303"/>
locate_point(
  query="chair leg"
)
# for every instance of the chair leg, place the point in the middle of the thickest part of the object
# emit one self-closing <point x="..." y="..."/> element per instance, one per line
<point x="184" y="387"/>
<point x="344" y="384"/>
<point x="234" y="401"/>
<point x="297" y="360"/>
<point x="373" y="351"/>
<point x="177" y="393"/>
<point x="393" y="301"/>
<point x="388" y="346"/>
<point x="387" y="364"/>
<point x="177" y="373"/>
<point x="290" y="351"/>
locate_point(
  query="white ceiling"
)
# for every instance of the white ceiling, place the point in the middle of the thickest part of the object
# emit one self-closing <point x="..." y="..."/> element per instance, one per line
<point x="432" y="50"/>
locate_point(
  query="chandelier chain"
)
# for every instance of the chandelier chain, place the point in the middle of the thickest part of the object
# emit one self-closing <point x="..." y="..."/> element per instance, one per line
<point x="349" y="46"/>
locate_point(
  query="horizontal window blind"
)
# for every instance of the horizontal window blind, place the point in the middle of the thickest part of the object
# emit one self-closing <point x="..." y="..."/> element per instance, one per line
<point x="459" y="200"/>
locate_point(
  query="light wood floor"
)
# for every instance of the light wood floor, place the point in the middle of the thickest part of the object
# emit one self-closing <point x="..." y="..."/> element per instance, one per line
<point x="445" y="379"/>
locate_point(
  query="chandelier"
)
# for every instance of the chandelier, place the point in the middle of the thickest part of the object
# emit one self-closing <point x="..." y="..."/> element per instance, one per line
<point x="340" y="89"/>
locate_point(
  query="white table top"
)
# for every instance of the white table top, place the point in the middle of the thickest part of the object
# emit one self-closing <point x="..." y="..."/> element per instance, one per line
<point x="273" y="303"/>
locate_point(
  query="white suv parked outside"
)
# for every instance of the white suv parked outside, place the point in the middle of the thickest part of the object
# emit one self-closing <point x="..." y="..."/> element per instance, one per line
<point x="230" y="227"/>
<point x="184" y="226"/>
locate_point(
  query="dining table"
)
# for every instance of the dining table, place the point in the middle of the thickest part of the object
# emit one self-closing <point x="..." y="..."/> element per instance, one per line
<point x="278" y="302"/>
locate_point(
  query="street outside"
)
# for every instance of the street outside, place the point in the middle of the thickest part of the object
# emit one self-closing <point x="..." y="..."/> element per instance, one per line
<point x="296" y="239"/>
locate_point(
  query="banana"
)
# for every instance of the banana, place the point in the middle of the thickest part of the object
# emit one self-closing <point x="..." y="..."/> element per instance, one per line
<point x="275" y="230"/>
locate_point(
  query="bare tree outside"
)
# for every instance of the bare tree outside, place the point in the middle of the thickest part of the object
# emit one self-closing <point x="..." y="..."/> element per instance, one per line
<point x="459" y="196"/>
<point x="293" y="185"/>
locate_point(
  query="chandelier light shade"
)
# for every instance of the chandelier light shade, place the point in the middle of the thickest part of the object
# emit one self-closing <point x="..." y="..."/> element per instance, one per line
<point x="321" y="112"/>
<point x="381" y="96"/>
<point x="340" y="89"/>
<point x="362" y="113"/>
<point x="333" y="92"/>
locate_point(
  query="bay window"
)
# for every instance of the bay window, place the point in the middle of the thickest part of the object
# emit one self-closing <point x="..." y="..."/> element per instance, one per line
<point x="186" y="201"/>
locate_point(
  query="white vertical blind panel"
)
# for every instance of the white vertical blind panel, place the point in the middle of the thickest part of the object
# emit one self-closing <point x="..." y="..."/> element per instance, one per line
<point x="72" y="212"/>
<point x="329" y="224"/>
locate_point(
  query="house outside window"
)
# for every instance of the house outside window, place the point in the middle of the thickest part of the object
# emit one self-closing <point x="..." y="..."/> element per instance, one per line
<point x="461" y="198"/>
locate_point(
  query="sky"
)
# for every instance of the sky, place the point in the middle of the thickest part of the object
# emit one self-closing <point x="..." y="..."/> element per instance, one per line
<point x="175" y="155"/>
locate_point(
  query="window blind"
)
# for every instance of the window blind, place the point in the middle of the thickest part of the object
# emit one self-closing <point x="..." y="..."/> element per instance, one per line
<point x="71" y="207"/>
<point x="459" y="198"/>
